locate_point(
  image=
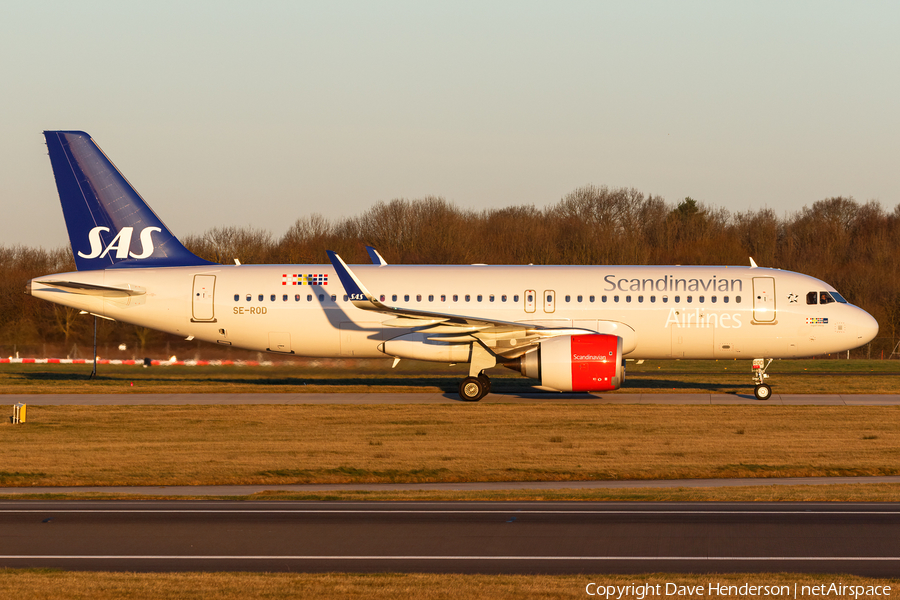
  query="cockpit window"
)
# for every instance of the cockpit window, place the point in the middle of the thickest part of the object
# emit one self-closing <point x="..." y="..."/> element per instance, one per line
<point x="824" y="298"/>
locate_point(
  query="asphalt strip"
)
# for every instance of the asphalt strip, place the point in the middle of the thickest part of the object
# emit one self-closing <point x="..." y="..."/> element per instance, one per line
<point x="247" y="490"/>
<point x="134" y="399"/>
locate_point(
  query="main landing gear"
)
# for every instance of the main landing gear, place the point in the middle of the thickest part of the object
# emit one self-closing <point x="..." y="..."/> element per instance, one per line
<point x="473" y="389"/>
<point x="477" y="385"/>
<point x="763" y="391"/>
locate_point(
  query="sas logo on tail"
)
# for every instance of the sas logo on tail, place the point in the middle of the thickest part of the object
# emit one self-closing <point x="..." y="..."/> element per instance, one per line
<point x="121" y="243"/>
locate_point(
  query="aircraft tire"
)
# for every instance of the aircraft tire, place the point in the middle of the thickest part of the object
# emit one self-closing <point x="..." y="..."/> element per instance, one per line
<point x="763" y="392"/>
<point x="472" y="389"/>
<point x="487" y="384"/>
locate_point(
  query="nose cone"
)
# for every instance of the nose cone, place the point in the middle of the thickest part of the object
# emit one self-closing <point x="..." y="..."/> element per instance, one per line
<point x="866" y="328"/>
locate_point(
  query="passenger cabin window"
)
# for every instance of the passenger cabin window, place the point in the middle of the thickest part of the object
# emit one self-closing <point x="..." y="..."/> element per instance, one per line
<point x="309" y="297"/>
<point x="431" y="297"/>
<point x="249" y="297"/>
<point x="503" y="298"/>
<point x="406" y="297"/>
<point x="456" y="297"/>
<point x="260" y="297"/>
<point x="296" y="297"/>
<point x="382" y="297"/>
<point x="284" y="298"/>
<point x="579" y="298"/>
<point x="590" y="298"/>
<point x="272" y="297"/>
<point x="516" y="298"/>
<point x="237" y="297"/>
<point x="443" y="297"/>
<point x="394" y="298"/>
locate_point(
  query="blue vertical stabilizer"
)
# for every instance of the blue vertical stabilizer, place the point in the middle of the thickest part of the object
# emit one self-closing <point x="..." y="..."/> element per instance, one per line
<point x="109" y="223"/>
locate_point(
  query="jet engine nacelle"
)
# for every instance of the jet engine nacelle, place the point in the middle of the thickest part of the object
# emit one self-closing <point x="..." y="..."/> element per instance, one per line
<point x="576" y="363"/>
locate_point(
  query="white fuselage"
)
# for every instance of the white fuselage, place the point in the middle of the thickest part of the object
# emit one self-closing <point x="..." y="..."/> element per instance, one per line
<point x="661" y="312"/>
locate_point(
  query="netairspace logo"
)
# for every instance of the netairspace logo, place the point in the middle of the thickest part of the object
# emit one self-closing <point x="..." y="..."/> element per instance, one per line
<point x="640" y="591"/>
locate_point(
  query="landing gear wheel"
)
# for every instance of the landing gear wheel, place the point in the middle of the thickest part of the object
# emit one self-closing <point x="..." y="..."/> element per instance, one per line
<point x="763" y="392"/>
<point x="472" y="389"/>
<point x="487" y="384"/>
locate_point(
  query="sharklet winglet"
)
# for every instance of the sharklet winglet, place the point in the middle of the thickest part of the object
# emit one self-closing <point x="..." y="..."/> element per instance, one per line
<point x="375" y="257"/>
<point x="359" y="296"/>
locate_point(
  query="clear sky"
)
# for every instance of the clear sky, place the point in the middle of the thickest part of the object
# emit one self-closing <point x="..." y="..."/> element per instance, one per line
<point x="235" y="113"/>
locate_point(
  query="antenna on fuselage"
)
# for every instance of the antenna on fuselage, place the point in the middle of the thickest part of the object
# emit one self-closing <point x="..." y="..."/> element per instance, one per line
<point x="753" y="264"/>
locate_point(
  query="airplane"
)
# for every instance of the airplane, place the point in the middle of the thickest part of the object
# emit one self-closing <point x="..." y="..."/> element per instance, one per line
<point x="568" y="327"/>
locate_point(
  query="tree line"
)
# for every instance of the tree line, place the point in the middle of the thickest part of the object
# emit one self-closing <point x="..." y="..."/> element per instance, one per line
<point x="848" y="244"/>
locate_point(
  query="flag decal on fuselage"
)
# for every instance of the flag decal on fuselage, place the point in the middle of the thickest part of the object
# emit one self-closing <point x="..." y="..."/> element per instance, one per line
<point x="311" y="279"/>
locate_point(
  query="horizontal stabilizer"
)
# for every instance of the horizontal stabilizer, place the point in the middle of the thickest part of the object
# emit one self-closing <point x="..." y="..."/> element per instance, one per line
<point x="91" y="289"/>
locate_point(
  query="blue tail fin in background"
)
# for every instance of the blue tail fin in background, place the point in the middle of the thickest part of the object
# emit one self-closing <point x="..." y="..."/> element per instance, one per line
<point x="109" y="223"/>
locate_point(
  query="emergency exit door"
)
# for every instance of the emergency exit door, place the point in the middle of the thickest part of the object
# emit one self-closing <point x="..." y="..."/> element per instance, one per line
<point x="202" y="298"/>
<point x="530" y="298"/>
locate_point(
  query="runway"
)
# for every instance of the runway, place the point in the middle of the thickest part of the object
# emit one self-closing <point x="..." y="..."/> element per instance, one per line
<point x="537" y="537"/>
<point x="446" y="398"/>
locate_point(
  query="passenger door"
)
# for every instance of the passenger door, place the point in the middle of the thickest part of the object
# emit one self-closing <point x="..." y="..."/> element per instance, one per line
<point x="764" y="299"/>
<point x="202" y="299"/>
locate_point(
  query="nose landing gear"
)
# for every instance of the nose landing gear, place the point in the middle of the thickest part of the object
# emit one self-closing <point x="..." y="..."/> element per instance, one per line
<point x="763" y="391"/>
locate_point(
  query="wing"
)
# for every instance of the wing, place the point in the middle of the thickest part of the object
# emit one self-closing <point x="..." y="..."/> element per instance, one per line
<point x="506" y="338"/>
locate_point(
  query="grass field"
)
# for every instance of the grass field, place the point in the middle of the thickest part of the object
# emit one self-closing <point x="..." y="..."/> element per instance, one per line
<point x="148" y="445"/>
<point x="729" y="376"/>
<point x="281" y="444"/>
<point x="63" y="585"/>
